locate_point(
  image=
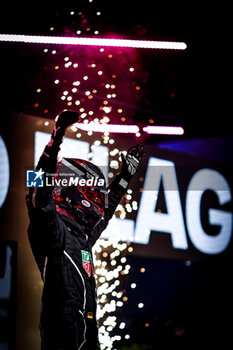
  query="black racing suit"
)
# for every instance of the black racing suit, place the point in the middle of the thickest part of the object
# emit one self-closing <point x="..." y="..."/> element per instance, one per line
<point x="63" y="251"/>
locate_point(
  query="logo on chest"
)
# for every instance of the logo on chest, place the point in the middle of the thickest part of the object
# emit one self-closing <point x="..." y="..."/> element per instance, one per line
<point x="87" y="263"/>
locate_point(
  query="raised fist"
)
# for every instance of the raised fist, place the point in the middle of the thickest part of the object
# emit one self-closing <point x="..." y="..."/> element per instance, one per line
<point x="67" y="118"/>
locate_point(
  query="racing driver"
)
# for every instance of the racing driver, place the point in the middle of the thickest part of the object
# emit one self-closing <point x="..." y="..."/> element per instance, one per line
<point x="65" y="222"/>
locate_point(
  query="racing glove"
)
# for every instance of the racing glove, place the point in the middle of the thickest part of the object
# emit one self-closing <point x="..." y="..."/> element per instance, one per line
<point x="131" y="161"/>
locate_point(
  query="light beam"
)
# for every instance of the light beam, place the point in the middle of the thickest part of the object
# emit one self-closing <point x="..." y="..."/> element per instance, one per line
<point x="62" y="40"/>
<point x="164" y="130"/>
<point x="116" y="128"/>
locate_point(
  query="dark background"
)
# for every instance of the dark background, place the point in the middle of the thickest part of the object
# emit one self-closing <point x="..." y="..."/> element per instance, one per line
<point x="190" y="88"/>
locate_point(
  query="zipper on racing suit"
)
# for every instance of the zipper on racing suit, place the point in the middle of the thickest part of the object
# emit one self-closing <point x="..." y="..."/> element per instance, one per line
<point x="84" y="298"/>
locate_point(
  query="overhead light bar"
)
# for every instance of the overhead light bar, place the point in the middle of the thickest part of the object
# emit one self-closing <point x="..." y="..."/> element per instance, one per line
<point x="116" y="128"/>
<point x="62" y="40"/>
<point x="130" y="129"/>
<point x="164" y="130"/>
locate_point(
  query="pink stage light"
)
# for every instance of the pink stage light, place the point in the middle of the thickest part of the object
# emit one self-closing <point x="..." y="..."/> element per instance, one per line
<point x="131" y="129"/>
<point x="164" y="130"/>
<point x="61" y="40"/>
<point x="117" y="128"/>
